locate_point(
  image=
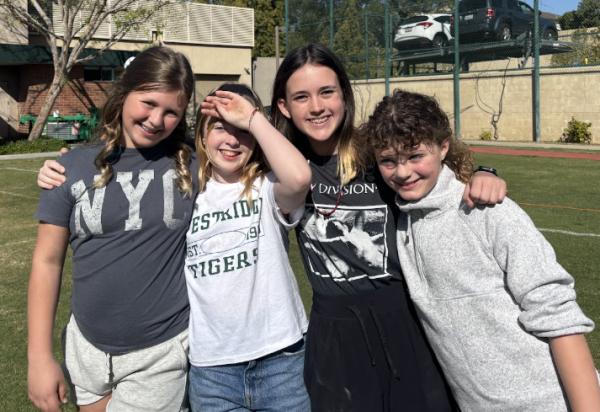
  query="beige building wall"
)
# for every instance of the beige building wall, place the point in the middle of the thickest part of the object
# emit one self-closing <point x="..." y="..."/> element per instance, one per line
<point x="217" y="60"/>
<point x="12" y="32"/>
<point x="265" y="69"/>
<point x="563" y="94"/>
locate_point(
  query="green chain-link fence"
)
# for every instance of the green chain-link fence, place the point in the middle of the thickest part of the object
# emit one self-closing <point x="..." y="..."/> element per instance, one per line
<point x="491" y="69"/>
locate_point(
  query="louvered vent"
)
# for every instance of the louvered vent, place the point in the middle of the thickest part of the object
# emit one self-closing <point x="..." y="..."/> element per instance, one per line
<point x="176" y="23"/>
<point x="243" y="26"/>
<point x="200" y="24"/>
<point x="180" y="22"/>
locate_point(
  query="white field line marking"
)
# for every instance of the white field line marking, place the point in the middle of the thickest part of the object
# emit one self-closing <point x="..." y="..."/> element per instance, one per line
<point x="15" y="194"/>
<point x="564" y="232"/>
<point x="18" y="170"/>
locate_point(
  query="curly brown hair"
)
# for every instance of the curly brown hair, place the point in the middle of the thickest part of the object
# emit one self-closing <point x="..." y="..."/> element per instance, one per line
<point x="155" y="69"/>
<point x="404" y="120"/>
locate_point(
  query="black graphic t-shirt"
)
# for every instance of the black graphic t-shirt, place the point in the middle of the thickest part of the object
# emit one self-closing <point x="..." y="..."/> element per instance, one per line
<point x="353" y="249"/>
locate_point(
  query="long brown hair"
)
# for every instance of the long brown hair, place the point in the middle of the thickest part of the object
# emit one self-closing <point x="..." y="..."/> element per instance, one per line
<point x="256" y="166"/>
<point x="404" y="120"/>
<point x="155" y="69"/>
<point x="350" y="163"/>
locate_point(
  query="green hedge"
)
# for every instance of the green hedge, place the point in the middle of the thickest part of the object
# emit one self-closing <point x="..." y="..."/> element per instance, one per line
<point x="41" y="145"/>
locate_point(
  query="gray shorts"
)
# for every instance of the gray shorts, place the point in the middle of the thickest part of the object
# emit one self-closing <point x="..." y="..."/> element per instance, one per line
<point x="150" y="379"/>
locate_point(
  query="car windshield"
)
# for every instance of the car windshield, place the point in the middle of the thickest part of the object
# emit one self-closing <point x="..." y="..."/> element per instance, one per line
<point x="443" y="19"/>
<point x="469" y="5"/>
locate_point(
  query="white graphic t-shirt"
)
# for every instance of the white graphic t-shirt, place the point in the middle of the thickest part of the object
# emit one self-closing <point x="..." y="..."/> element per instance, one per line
<point x="244" y="297"/>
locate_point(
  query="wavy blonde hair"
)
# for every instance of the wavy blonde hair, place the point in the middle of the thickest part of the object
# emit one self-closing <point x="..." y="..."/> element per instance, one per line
<point x="404" y="120"/>
<point x="350" y="162"/>
<point x="155" y="69"/>
<point x="256" y="165"/>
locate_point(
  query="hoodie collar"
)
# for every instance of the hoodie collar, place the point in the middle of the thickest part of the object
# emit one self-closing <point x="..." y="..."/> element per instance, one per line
<point x="440" y="197"/>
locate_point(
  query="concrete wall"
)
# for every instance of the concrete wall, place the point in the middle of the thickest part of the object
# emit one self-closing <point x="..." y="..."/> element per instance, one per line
<point x="563" y="94"/>
<point x="264" y="70"/>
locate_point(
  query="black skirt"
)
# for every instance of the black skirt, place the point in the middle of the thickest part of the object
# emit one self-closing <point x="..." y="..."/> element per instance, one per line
<point x="367" y="353"/>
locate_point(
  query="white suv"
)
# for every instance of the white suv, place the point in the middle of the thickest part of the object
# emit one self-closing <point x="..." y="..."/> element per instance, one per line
<point x="425" y="30"/>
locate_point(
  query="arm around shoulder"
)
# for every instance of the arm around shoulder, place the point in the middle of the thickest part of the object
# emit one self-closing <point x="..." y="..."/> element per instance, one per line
<point x="484" y="188"/>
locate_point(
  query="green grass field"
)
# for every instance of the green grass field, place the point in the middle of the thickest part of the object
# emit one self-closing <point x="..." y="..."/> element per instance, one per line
<point x="563" y="183"/>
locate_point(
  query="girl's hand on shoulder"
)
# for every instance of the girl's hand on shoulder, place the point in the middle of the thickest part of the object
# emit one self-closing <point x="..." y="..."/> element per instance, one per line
<point x="51" y="175"/>
<point x="484" y="188"/>
<point x="228" y="106"/>
<point x="46" y="384"/>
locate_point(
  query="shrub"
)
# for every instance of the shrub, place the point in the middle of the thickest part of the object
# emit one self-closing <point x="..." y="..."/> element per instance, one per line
<point x="41" y="145"/>
<point x="485" y="135"/>
<point x="576" y="132"/>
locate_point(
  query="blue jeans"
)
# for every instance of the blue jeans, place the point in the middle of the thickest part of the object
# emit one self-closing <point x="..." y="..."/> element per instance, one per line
<point x="273" y="383"/>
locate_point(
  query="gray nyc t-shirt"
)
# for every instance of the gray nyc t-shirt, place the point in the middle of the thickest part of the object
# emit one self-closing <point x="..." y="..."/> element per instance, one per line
<point x="128" y="242"/>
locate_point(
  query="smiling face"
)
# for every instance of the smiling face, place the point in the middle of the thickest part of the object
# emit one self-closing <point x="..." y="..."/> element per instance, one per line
<point x="228" y="149"/>
<point x="150" y="117"/>
<point x="314" y="102"/>
<point x="412" y="175"/>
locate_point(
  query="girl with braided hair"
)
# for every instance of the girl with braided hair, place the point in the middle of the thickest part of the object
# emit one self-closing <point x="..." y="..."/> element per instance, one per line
<point x="124" y="210"/>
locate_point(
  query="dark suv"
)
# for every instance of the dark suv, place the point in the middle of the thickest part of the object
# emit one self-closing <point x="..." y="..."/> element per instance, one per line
<point x="498" y="20"/>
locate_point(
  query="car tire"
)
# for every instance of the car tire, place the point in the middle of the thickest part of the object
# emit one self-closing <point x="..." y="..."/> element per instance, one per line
<point x="550" y="33"/>
<point x="439" y="41"/>
<point x="504" y="32"/>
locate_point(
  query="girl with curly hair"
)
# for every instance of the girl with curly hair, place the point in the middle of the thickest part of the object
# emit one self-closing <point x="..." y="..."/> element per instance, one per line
<point x="498" y="310"/>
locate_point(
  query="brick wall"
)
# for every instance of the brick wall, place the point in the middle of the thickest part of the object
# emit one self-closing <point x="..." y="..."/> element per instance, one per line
<point x="76" y="96"/>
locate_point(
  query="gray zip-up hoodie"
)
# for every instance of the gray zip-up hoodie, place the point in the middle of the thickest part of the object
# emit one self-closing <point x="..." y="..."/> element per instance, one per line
<point x="489" y="292"/>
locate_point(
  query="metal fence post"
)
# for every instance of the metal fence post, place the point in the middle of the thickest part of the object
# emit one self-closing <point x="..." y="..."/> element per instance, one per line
<point x="287" y="28"/>
<point x="536" y="69"/>
<point x="367" y="45"/>
<point x="456" y="72"/>
<point x="331" y="24"/>
<point x="387" y="47"/>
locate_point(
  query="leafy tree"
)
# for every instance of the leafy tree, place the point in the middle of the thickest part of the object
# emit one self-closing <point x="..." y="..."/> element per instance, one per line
<point x="67" y="38"/>
<point x="568" y="21"/>
<point x="587" y="15"/>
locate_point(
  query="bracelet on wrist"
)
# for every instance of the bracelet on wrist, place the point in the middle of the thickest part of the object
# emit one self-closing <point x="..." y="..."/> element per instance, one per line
<point x="486" y="169"/>
<point x="256" y="110"/>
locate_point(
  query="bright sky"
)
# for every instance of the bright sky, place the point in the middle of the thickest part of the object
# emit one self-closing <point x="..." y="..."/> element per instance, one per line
<point x="555" y="6"/>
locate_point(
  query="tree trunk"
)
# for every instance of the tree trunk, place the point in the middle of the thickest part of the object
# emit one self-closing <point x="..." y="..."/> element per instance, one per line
<point x="55" y="89"/>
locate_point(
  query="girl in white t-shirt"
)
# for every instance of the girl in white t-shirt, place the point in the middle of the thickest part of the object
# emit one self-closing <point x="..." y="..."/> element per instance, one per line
<point x="247" y="319"/>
